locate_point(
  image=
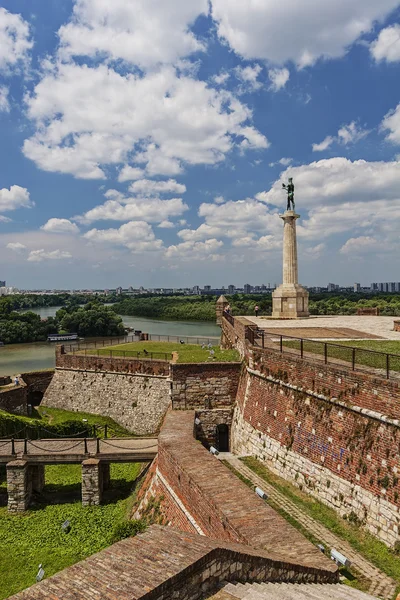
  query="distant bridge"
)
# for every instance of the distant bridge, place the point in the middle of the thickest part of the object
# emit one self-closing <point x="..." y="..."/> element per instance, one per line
<point x="25" y="461"/>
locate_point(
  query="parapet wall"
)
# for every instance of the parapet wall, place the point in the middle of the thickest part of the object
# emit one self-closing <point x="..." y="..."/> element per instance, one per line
<point x="29" y="391"/>
<point x="215" y="503"/>
<point x="206" y="385"/>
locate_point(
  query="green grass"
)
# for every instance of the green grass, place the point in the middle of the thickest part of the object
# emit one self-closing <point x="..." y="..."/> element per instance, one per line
<point x="377" y="361"/>
<point x="362" y="541"/>
<point x="56" y="416"/>
<point x="36" y="536"/>
<point x="187" y="353"/>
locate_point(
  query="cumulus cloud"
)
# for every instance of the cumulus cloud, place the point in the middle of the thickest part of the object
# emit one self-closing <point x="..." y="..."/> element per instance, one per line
<point x="128" y="173"/>
<point x="387" y="45"/>
<point x="41" y="255"/>
<point x="360" y="245"/>
<point x="138" y="236"/>
<point x="4" y="103"/>
<point x="148" y="187"/>
<point x="391" y="123"/>
<point x="195" y="251"/>
<point x="278" y="78"/>
<point x="60" y="226"/>
<point x="15" y="197"/>
<point x="16" y="247"/>
<point x="143" y="32"/>
<point x="152" y="210"/>
<point x="87" y="118"/>
<point x="347" y="134"/>
<point x="290" y="30"/>
<point x="221" y="78"/>
<point x="249" y="77"/>
<point x="15" y="41"/>
<point x="285" y="162"/>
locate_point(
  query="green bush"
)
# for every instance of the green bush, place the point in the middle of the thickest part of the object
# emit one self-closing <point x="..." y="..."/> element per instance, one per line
<point x="127" y="529"/>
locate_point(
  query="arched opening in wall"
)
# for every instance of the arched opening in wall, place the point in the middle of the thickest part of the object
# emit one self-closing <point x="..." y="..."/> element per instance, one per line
<point x="35" y="398"/>
<point x="222" y="435"/>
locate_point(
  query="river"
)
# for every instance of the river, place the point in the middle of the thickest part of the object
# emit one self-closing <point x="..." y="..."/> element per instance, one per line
<point x="22" y="358"/>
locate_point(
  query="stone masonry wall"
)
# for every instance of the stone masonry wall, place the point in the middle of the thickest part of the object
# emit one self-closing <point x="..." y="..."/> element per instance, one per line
<point x="206" y="430"/>
<point x="14" y="400"/>
<point x="137" y="402"/>
<point x="345" y="455"/>
<point x="206" y="385"/>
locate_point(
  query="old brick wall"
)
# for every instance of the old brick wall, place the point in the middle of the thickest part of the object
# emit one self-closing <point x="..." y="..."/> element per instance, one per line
<point x="219" y="504"/>
<point x="341" y="453"/>
<point x="113" y="364"/>
<point x="137" y="402"/>
<point x="204" y="385"/>
<point x="206" y="430"/>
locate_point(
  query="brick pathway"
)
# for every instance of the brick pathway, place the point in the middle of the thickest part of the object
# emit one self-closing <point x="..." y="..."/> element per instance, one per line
<point x="380" y="584"/>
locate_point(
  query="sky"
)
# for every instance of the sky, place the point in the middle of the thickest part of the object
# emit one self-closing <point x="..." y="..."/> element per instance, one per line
<point x="146" y="142"/>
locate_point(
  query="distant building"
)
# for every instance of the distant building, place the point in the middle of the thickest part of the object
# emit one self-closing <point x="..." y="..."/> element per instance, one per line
<point x="247" y="288"/>
<point x="118" y="291"/>
<point x="207" y="288"/>
<point x="390" y="287"/>
<point x="2" y="284"/>
<point x="332" y="287"/>
<point x="357" y="287"/>
<point x="231" y="289"/>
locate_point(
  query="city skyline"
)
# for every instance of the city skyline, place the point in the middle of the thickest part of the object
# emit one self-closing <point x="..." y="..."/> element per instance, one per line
<point x="150" y="143"/>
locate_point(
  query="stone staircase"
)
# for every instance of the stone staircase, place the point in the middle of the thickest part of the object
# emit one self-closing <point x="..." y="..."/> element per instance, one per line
<point x="289" y="591"/>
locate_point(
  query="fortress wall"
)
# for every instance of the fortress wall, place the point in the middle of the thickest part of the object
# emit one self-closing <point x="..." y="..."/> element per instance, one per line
<point x="206" y="385"/>
<point x="113" y="364"/>
<point x="217" y="504"/>
<point x="14" y="400"/>
<point x="135" y="401"/>
<point x="348" y="457"/>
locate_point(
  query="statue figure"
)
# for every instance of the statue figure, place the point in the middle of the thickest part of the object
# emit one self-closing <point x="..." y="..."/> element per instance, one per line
<point x="290" y="194"/>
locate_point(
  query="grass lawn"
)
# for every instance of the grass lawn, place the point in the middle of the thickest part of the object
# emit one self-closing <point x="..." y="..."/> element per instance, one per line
<point x="362" y="541"/>
<point x="36" y="536"/>
<point x="187" y="353"/>
<point x="364" y="358"/>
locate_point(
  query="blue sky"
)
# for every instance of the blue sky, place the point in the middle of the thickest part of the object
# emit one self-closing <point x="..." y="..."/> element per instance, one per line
<point x="145" y="143"/>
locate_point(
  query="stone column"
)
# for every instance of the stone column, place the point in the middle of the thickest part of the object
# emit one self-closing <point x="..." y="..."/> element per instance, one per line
<point x="19" y="486"/>
<point x="222" y="303"/>
<point x="91" y="482"/>
<point x="290" y="267"/>
<point x="36" y="474"/>
<point x="290" y="300"/>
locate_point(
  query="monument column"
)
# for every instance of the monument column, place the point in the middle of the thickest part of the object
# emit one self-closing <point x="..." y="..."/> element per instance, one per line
<point x="290" y="300"/>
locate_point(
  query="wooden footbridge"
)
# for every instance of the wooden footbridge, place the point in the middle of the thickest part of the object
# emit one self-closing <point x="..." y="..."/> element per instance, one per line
<point x="25" y="460"/>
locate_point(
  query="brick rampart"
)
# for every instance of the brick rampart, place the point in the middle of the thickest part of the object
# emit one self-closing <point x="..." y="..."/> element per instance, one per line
<point x="204" y="385"/>
<point x="221" y="505"/>
<point x="114" y="364"/>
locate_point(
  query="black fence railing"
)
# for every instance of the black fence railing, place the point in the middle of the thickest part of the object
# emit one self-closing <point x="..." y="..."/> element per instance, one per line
<point x="115" y="353"/>
<point x="38" y="432"/>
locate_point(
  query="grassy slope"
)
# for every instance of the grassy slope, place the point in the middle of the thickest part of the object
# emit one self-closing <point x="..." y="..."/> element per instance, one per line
<point x="365" y="358"/>
<point x="187" y="353"/>
<point x="366" y="544"/>
<point x="36" y="537"/>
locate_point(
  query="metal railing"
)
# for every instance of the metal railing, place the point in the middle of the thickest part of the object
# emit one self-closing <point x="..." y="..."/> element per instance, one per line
<point x="88" y="431"/>
<point x="120" y="353"/>
<point x="359" y="359"/>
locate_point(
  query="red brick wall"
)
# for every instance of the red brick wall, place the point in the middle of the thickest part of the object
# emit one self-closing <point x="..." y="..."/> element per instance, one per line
<point x="110" y="364"/>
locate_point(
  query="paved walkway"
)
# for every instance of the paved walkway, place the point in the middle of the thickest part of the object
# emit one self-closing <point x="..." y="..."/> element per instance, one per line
<point x="381" y="585"/>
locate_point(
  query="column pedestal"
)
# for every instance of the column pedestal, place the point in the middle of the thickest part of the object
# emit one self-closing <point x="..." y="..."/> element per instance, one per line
<point x="91" y="482"/>
<point x="19" y="486"/>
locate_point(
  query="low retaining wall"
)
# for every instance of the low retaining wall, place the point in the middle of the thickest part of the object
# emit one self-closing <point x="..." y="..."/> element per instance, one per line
<point x="14" y="400"/>
<point x="205" y="385"/>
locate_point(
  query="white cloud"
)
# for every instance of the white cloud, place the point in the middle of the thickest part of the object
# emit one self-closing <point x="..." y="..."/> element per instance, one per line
<point x="166" y="225"/>
<point x="221" y="78"/>
<point x="324" y="145"/>
<point x="387" y="45"/>
<point x="290" y="30"/>
<point x="249" y="77"/>
<point x="148" y="187"/>
<point x="391" y="123"/>
<point x="41" y="255"/>
<point x="87" y="118"/>
<point x="361" y="245"/>
<point x="347" y="134"/>
<point x="138" y="236"/>
<point x="4" y="219"/>
<point x="351" y="133"/>
<point x="4" y="103"/>
<point x="128" y="173"/>
<point x="14" y="40"/>
<point x="195" y="251"/>
<point x="15" y="197"/>
<point x="315" y="252"/>
<point x="219" y="199"/>
<point x="60" y="226"/>
<point x="278" y="78"/>
<point x="143" y="32"/>
<point x="152" y="210"/>
<point x="285" y="162"/>
<point x="16" y="247"/>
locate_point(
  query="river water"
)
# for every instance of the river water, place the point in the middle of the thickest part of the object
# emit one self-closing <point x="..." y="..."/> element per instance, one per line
<point x="22" y="358"/>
